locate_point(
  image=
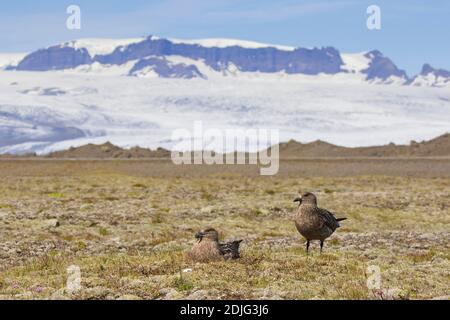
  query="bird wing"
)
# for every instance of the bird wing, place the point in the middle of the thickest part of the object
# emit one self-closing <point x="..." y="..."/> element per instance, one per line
<point x="329" y="219"/>
<point x="230" y="249"/>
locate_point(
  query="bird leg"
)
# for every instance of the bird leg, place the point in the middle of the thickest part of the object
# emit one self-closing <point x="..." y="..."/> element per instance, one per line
<point x="321" y="246"/>
<point x="307" y="247"/>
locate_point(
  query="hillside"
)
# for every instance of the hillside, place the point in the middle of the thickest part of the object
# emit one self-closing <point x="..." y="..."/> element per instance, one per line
<point x="108" y="151"/>
<point x="436" y="147"/>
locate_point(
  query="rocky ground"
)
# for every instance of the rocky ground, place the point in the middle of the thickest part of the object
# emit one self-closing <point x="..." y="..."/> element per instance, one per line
<point x="127" y="234"/>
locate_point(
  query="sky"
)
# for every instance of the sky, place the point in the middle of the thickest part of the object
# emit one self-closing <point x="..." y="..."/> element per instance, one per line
<point x="413" y="32"/>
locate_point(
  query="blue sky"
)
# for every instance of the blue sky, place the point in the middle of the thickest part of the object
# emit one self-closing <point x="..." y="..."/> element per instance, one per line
<point x="413" y="31"/>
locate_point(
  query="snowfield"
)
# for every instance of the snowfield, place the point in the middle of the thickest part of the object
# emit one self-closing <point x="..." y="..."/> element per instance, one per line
<point x="10" y="59"/>
<point x="47" y="111"/>
<point x="99" y="46"/>
<point x="223" y="43"/>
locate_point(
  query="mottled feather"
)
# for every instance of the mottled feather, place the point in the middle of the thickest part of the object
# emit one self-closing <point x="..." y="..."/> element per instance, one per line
<point x="208" y="248"/>
<point x="329" y="219"/>
<point x="230" y="250"/>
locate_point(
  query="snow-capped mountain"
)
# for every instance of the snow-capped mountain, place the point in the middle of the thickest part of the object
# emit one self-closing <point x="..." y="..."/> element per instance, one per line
<point x="174" y="58"/>
<point x="137" y="91"/>
<point x="431" y="77"/>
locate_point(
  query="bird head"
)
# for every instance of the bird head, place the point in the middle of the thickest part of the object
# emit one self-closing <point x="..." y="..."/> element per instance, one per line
<point x="208" y="233"/>
<point x="306" y="198"/>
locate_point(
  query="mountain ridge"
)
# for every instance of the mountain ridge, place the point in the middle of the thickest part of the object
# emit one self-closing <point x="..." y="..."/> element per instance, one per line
<point x="150" y="55"/>
<point x="436" y="147"/>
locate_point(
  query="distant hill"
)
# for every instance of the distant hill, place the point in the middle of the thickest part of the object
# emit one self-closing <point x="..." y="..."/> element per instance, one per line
<point x="108" y="151"/>
<point x="437" y="147"/>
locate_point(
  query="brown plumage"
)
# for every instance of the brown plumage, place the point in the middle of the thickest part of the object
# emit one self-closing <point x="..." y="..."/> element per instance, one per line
<point x="208" y="248"/>
<point x="314" y="223"/>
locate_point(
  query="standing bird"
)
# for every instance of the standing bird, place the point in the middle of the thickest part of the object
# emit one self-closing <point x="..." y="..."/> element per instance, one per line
<point x="314" y="223"/>
<point x="208" y="248"/>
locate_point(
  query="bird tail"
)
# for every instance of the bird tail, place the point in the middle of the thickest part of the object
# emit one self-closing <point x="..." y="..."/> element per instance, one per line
<point x="230" y="249"/>
<point x="341" y="219"/>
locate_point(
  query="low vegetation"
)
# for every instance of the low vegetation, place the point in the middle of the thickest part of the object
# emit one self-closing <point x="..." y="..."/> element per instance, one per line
<point x="127" y="232"/>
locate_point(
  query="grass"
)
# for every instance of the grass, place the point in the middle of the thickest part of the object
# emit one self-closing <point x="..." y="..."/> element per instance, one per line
<point x="56" y="195"/>
<point x="128" y="234"/>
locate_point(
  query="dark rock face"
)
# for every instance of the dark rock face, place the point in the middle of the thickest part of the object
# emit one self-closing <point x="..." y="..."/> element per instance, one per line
<point x="427" y="69"/>
<point x="306" y="61"/>
<point x="55" y="58"/>
<point x="382" y="67"/>
<point x="167" y="70"/>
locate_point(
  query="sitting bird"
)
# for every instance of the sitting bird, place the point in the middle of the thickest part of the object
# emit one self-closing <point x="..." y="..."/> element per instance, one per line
<point x="208" y="248"/>
<point x="314" y="223"/>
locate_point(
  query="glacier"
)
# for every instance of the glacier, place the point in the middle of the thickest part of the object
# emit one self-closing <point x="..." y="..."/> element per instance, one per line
<point x="55" y="110"/>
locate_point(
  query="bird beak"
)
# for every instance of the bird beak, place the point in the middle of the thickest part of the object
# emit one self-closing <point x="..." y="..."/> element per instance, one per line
<point x="298" y="199"/>
<point x="199" y="236"/>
